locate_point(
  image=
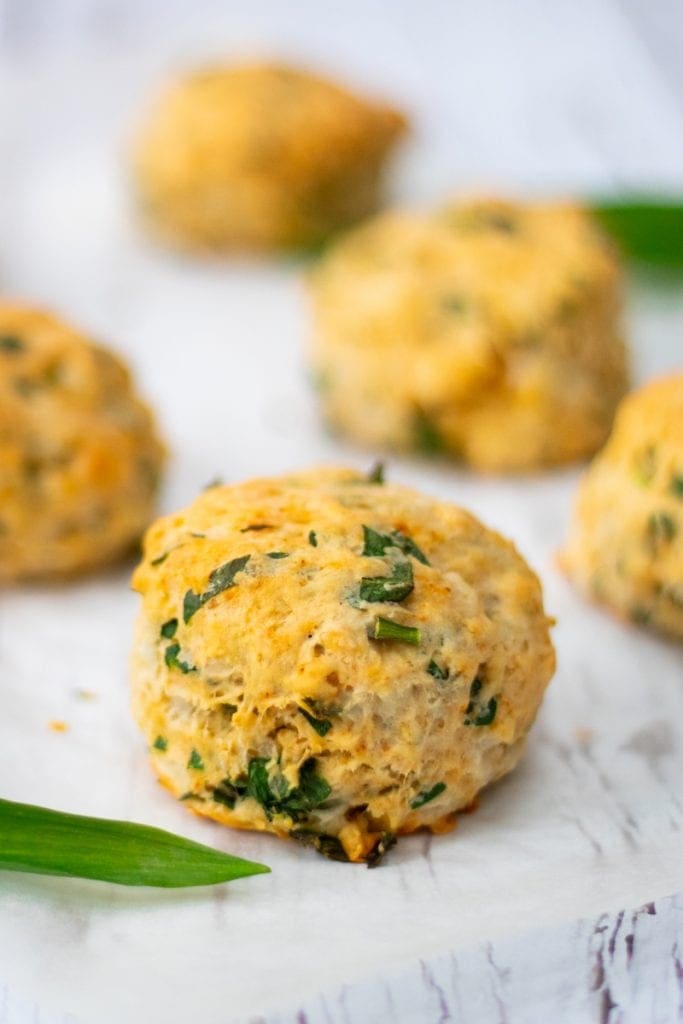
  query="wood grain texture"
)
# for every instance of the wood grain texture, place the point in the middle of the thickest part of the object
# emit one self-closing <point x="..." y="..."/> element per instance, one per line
<point x="619" y="968"/>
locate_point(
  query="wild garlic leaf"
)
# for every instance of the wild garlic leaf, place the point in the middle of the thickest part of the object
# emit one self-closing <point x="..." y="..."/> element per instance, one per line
<point x="46" y="842"/>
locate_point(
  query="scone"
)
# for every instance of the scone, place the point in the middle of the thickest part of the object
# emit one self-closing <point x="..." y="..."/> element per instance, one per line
<point x="333" y="659"/>
<point x="625" y="547"/>
<point x="260" y="156"/>
<point x="79" y="455"/>
<point x="488" y="331"/>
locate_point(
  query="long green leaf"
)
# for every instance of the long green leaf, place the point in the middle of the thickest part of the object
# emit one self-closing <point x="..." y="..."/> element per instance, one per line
<point x="45" y="842"/>
<point x="646" y="230"/>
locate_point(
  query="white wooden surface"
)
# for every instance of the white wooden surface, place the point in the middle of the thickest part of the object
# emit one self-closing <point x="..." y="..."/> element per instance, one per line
<point x="523" y="914"/>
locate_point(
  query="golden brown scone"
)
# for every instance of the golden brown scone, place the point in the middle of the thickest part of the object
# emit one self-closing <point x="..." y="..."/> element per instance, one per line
<point x="334" y="659"/>
<point x="488" y="331"/>
<point x="79" y="456"/>
<point x="625" y="546"/>
<point x="261" y="156"/>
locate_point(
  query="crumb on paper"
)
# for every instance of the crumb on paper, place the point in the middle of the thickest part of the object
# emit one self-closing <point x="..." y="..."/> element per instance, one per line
<point x="85" y="694"/>
<point x="584" y="736"/>
<point x="57" y="725"/>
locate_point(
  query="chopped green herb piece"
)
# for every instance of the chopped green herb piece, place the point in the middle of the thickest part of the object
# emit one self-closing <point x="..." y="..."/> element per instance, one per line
<point x="376" y="474"/>
<point x="674" y="594"/>
<point x="10" y="343"/>
<point x="376" y="544"/>
<point x="256" y="527"/>
<point x="195" y="761"/>
<point x="677" y="485"/>
<point x="228" y="793"/>
<point x="453" y="304"/>
<point x="435" y="670"/>
<point x="169" y="628"/>
<point x="386" y="629"/>
<point x="313" y="538"/>
<point x="486" y="716"/>
<point x="46" y="842"/>
<point x="160" y="743"/>
<point x="641" y="616"/>
<point x="172" y="660"/>
<point x="645" y="465"/>
<point x="277" y="554"/>
<point x="222" y="578"/>
<point x="258" y="785"/>
<point x="321" y="381"/>
<point x="388" y="588"/>
<point x="427" y="438"/>
<point x="477" y="712"/>
<point x="661" y="528"/>
<point x="427" y="795"/>
<point x="408" y="546"/>
<point x="160" y="559"/>
<point x="275" y="796"/>
<point x="321" y="725"/>
<point x="328" y="846"/>
<point x="381" y="848"/>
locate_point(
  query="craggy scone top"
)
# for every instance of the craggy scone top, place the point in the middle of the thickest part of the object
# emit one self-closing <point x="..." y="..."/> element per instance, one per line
<point x="261" y="155"/>
<point x="625" y="547"/>
<point x="79" y="456"/>
<point x="335" y="659"/>
<point x="488" y="331"/>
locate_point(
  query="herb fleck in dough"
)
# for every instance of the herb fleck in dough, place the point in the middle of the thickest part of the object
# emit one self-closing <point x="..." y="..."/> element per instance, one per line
<point x="79" y="456"/>
<point x="625" y="547"/>
<point x="301" y="701"/>
<point x="488" y="332"/>
<point x="260" y="156"/>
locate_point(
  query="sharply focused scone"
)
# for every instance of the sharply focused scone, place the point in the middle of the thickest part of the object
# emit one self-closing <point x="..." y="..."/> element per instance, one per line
<point x="488" y="331"/>
<point x="79" y="456"/>
<point x="626" y="543"/>
<point x="261" y="156"/>
<point x="330" y="658"/>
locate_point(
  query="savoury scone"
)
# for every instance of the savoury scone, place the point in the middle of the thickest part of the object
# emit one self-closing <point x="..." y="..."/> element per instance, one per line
<point x="334" y="659"/>
<point x="488" y="331"/>
<point x="79" y="456"/>
<point x="261" y="156"/>
<point x="625" y="547"/>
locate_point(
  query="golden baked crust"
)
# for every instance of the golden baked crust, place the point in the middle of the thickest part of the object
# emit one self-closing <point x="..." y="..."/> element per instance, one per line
<point x="79" y="458"/>
<point x="625" y="548"/>
<point x="488" y="331"/>
<point x="263" y="693"/>
<point x="260" y="156"/>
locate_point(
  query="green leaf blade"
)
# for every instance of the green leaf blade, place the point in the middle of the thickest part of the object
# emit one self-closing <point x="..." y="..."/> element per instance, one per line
<point x="647" y="229"/>
<point x="37" y="840"/>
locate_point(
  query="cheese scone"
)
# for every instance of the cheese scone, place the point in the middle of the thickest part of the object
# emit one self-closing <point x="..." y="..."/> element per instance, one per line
<point x="329" y="658"/>
<point x="488" y="332"/>
<point x="79" y="455"/>
<point x="260" y="156"/>
<point x="625" y="547"/>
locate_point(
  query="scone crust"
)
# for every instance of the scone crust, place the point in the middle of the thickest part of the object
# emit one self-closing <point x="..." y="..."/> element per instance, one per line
<point x="625" y="547"/>
<point x="79" y="456"/>
<point x="488" y="331"/>
<point x="260" y="156"/>
<point x="276" y="676"/>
